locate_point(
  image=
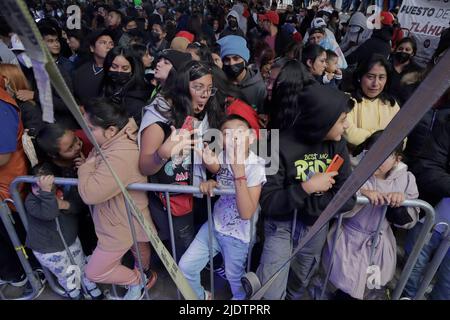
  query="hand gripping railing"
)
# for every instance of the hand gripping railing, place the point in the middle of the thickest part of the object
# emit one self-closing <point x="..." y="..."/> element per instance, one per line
<point x="167" y="189"/>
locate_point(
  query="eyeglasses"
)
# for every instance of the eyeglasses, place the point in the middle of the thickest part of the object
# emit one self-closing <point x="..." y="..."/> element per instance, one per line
<point x="209" y="91"/>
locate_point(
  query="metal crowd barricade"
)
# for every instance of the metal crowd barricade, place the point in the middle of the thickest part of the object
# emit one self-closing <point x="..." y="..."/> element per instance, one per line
<point x="36" y="285"/>
<point x="167" y="189"/>
<point x="423" y="238"/>
<point x="433" y="266"/>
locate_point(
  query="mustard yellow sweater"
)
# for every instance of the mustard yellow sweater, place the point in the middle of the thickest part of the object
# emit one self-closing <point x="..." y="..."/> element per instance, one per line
<point x="368" y="117"/>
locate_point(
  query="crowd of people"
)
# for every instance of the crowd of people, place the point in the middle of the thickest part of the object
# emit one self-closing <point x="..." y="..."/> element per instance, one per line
<point x="154" y="80"/>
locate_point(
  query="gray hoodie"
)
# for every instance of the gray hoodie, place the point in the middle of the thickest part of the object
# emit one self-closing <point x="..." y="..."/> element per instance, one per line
<point x="254" y="89"/>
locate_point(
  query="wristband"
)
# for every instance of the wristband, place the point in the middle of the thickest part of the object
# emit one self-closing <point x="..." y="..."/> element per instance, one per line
<point x="240" y="178"/>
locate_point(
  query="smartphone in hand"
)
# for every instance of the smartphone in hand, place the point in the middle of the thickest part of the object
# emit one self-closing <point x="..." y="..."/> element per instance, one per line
<point x="335" y="164"/>
<point x="188" y="123"/>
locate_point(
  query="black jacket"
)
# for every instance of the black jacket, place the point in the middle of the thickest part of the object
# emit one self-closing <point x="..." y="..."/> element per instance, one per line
<point x="379" y="43"/>
<point x="302" y="151"/>
<point x="63" y="115"/>
<point x="42" y="235"/>
<point x="87" y="82"/>
<point x="428" y="155"/>
<point x="31" y="114"/>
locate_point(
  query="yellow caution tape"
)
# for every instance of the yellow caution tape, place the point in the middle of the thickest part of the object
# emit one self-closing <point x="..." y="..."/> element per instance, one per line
<point x="22" y="248"/>
<point x="18" y="16"/>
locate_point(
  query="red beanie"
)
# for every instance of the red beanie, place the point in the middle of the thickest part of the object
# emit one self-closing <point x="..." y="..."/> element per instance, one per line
<point x="273" y="17"/>
<point x="186" y="35"/>
<point x="243" y="110"/>
<point x="387" y="18"/>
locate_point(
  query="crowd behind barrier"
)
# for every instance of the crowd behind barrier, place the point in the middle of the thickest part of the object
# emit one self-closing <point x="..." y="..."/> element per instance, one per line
<point x="136" y="71"/>
<point x="38" y="286"/>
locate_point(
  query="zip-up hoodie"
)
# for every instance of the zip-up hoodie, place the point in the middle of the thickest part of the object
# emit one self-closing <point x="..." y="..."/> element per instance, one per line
<point x="302" y="152"/>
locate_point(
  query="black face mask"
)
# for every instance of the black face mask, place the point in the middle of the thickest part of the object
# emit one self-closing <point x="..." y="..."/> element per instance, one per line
<point x="234" y="70"/>
<point x="402" y="57"/>
<point x="156" y="35"/>
<point x="233" y="24"/>
<point x="119" y="78"/>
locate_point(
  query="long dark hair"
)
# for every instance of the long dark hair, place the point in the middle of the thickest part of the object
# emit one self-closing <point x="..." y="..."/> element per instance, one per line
<point x="202" y="51"/>
<point x="47" y="140"/>
<point x="178" y="94"/>
<point x="104" y="113"/>
<point x="137" y="81"/>
<point x="285" y="105"/>
<point x="370" y="141"/>
<point x="409" y="40"/>
<point x="363" y="68"/>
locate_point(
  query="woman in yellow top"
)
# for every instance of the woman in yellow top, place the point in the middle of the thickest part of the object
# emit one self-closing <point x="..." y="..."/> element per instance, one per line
<point x="374" y="107"/>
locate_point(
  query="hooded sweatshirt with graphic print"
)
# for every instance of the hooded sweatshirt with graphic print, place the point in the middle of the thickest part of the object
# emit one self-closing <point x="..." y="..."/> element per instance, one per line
<point x="303" y="152"/>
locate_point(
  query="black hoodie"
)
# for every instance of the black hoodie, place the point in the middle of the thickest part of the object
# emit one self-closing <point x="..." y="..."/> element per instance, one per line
<point x="302" y="151"/>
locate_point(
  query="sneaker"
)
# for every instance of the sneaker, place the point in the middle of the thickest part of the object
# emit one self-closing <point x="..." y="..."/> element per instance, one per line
<point x="95" y="293"/>
<point x="135" y="292"/>
<point x="19" y="282"/>
<point x="74" y="294"/>
<point x="40" y="275"/>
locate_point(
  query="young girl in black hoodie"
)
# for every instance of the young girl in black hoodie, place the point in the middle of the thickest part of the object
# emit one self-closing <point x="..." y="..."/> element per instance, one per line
<point x="301" y="185"/>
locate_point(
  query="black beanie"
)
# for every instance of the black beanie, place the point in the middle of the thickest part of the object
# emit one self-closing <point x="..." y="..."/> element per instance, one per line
<point x="177" y="58"/>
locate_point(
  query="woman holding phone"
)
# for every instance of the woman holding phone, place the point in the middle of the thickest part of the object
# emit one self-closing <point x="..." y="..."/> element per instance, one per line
<point x="165" y="151"/>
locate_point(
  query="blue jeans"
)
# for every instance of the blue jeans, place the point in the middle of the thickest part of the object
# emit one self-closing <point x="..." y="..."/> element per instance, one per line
<point x="234" y="252"/>
<point x="278" y="245"/>
<point x="441" y="290"/>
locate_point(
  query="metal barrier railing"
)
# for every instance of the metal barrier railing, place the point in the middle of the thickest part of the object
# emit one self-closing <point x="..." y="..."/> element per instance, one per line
<point x="36" y="285"/>
<point x="423" y="238"/>
<point x="167" y="189"/>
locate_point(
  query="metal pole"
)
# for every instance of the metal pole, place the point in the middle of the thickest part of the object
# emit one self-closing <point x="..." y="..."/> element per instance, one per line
<point x="172" y="236"/>
<point x="210" y="242"/>
<point x="376" y="236"/>
<point x="294" y="226"/>
<point x="330" y="264"/>
<point x="439" y="255"/>
<point x="423" y="238"/>
<point x="136" y="248"/>
<point x="20" y="250"/>
<point x="253" y="222"/>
